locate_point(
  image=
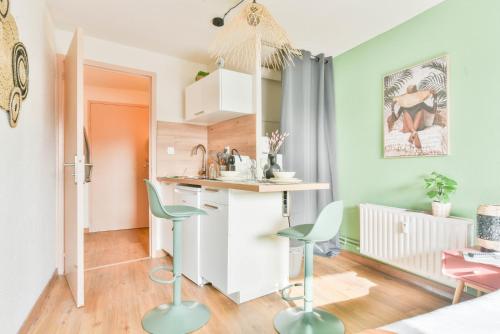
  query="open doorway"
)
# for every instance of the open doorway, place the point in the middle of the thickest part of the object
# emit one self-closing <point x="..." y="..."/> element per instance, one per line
<point x="117" y="118"/>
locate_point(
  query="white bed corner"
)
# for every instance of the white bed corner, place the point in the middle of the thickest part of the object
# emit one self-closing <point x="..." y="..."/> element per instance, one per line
<point x="477" y="316"/>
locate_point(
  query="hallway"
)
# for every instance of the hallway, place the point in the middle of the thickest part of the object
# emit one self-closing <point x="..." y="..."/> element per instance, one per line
<point x="113" y="247"/>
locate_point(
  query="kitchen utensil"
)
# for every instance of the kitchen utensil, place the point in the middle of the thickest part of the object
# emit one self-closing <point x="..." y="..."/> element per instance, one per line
<point x="253" y="169"/>
<point x="223" y="158"/>
<point x="212" y="172"/>
<point x="232" y="160"/>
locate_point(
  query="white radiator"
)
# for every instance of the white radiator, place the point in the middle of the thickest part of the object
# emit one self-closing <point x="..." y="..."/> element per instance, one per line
<point x="410" y="240"/>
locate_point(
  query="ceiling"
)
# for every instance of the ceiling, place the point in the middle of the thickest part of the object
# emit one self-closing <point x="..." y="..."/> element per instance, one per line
<point x="183" y="28"/>
<point x="103" y="78"/>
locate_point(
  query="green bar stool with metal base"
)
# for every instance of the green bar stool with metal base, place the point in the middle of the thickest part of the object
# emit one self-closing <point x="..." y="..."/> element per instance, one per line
<point x="180" y="316"/>
<point x="309" y="320"/>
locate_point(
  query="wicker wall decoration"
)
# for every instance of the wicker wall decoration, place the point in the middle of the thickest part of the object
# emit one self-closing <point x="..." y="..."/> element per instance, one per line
<point x="14" y="69"/>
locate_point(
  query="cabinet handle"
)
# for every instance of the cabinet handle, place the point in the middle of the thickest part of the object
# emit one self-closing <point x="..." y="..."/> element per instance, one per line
<point x="212" y="190"/>
<point x="186" y="193"/>
<point x="199" y="112"/>
<point x="211" y="206"/>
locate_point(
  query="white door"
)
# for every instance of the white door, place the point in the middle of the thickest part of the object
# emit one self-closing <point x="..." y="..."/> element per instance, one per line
<point x="74" y="161"/>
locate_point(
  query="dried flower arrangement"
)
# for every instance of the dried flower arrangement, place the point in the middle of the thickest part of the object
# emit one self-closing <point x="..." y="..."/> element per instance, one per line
<point x="276" y="140"/>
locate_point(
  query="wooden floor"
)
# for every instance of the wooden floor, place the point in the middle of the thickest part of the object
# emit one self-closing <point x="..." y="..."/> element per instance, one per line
<point x="116" y="297"/>
<point x="105" y="248"/>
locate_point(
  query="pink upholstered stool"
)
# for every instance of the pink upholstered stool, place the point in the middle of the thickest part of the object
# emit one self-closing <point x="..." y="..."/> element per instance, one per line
<point x="482" y="277"/>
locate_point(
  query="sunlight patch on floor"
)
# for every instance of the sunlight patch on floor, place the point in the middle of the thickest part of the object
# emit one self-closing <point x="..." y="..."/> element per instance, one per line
<point x="336" y="288"/>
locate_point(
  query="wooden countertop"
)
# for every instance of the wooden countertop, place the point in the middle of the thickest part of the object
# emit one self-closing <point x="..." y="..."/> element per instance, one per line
<point x="247" y="186"/>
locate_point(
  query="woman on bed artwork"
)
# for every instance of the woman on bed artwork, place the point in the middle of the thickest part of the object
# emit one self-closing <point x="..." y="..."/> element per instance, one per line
<point x="412" y="106"/>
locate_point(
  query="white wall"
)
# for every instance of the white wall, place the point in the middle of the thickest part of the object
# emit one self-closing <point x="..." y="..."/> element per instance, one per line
<point x="271" y="105"/>
<point x="27" y="175"/>
<point x="172" y="74"/>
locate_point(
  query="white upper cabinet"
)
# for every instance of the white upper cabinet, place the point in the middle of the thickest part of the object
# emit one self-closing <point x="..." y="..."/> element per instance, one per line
<point x="220" y="96"/>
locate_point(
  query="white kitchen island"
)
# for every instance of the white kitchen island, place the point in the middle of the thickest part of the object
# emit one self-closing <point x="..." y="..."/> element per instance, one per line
<point x="238" y="251"/>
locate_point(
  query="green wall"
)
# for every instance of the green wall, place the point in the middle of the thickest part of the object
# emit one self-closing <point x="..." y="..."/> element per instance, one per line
<point x="469" y="32"/>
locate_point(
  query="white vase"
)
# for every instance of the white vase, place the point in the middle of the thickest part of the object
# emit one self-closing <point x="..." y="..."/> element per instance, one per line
<point x="441" y="209"/>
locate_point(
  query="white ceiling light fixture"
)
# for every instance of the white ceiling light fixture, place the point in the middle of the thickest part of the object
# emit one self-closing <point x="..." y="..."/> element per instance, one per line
<point x="253" y="36"/>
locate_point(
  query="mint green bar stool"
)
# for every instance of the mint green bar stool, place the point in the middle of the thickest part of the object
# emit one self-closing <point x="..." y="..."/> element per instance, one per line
<point x="309" y="320"/>
<point x="181" y="316"/>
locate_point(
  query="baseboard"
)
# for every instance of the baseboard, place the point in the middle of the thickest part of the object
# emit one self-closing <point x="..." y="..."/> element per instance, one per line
<point x="424" y="283"/>
<point x="36" y="310"/>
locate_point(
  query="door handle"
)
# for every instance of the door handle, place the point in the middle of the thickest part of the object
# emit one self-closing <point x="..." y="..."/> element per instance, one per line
<point x="70" y="165"/>
<point x="75" y="165"/>
<point x="211" y="206"/>
<point x="212" y="190"/>
<point x="88" y="178"/>
<point x="199" y="112"/>
<point x="185" y="192"/>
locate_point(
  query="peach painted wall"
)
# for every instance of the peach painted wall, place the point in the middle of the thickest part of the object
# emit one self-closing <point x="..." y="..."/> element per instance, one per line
<point x="106" y="94"/>
<point x="113" y="95"/>
<point x="119" y="136"/>
<point x="94" y="93"/>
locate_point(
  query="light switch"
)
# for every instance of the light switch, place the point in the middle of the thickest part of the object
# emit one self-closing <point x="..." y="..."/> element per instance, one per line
<point x="170" y="150"/>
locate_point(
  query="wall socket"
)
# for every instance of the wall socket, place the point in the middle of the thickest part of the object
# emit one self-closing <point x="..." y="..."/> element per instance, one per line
<point x="170" y="150"/>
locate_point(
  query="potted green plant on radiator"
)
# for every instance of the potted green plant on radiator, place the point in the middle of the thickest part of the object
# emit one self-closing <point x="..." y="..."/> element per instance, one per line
<point x="440" y="188"/>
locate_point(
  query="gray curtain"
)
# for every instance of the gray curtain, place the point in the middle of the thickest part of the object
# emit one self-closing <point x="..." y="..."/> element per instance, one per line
<point x="308" y="114"/>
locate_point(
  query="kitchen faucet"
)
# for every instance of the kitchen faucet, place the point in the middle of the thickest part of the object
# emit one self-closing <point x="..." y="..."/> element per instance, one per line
<point x="194" y="151"/>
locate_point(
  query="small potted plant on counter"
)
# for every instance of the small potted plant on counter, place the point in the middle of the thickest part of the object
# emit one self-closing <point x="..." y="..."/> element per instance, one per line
<point x="440" y="188"/>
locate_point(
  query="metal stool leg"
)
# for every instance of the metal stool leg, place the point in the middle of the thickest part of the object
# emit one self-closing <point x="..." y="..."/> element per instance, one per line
<point x="307" y="320"/>
<point x="180" y="317"/>
<point x="308" y="276"/>
<point x="177" y="262"/>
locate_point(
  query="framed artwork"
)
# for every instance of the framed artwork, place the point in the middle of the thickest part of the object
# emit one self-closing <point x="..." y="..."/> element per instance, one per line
<point x="14" y="69"/>
<point x="416" y="110"/>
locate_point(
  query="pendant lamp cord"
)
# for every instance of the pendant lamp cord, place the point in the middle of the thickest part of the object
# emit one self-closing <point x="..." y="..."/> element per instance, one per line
<point x="230" y="9"/>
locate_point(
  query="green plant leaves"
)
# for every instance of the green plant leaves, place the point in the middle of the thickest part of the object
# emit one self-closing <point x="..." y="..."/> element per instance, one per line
<point x="441" y="187"/>
<point x="432" y="194"/>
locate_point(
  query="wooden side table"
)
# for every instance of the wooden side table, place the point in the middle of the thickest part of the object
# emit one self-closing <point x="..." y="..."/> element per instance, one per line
<point x="482" y="277"/>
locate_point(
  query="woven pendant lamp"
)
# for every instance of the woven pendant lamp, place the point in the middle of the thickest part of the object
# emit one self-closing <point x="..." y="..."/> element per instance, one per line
<point x="253" y="33"/>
